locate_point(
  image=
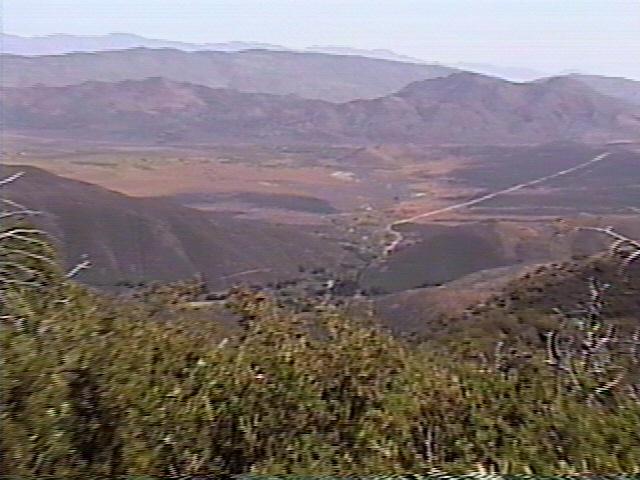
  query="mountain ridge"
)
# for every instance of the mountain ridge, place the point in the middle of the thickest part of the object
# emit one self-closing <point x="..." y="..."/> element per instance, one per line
<point x="60" y="44"/>
<point x="462" y="108"/>
<point x="335" y="78"/>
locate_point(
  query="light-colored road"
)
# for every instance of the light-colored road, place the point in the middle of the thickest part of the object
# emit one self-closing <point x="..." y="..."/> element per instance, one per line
<point x="398" y="237"/>
<point x="246" y="272"/>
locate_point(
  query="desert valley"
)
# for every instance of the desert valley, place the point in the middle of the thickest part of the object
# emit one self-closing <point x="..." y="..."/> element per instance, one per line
<point x="452" y="208"/>
<point x="276" y="161"/>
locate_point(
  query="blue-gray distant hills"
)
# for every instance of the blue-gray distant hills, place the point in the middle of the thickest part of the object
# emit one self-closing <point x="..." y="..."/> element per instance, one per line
<point x="60" y="43"/>
<point x="621" y="88"/>
<point x="461" y="108"/>
<point x="337" y="78"/>
<point x="67" y="45"/>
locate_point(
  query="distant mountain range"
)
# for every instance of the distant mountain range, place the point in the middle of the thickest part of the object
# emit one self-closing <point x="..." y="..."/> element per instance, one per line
<point x="310" y="75"/>
<point x="59" y="44"/>
<point x="621" y="88"/>
<point x="462" y="108"/>
<point x="351" y="75"/>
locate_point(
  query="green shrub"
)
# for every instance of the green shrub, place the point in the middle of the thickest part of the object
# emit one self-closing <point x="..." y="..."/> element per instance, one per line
<point x="98" y="387"/>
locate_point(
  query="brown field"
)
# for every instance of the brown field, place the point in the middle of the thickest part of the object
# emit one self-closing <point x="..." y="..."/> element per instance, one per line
<point x="400" y="180"/>
<point x="346" y="178"/>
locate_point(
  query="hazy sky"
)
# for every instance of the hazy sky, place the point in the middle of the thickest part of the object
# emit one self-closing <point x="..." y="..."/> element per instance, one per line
<point x="598" y="36"/>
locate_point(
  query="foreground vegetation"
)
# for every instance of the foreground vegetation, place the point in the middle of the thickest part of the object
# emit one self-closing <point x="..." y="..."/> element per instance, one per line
<point x="94" y="387"/>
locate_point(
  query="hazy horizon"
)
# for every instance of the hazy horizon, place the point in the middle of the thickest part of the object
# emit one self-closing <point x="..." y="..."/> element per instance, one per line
<point x="547" y="36"/>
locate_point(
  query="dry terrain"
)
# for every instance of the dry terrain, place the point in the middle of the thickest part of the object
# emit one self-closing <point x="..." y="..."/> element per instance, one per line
<point x="303" y="178"/>
<point x="348" y="194"/>
<point x="460" y="109"/>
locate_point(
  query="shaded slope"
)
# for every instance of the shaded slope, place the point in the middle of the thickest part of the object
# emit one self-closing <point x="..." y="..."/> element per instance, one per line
<point x="136" y="239"/>
<point x="516" y="301"/>
<point x="524" y="309"/>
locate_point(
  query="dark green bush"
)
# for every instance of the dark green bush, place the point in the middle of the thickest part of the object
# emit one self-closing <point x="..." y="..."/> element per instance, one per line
<point x="94" y="387"/>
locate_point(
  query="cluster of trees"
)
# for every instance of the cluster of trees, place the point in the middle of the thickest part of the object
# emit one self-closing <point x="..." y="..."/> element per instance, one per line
<point x="97" y="387"/>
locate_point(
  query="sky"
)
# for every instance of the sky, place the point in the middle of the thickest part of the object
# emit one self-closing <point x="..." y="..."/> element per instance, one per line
<point x="550" y="36"/>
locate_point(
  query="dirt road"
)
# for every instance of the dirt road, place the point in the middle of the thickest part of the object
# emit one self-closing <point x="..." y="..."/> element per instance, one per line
<point x="398" y="237"/>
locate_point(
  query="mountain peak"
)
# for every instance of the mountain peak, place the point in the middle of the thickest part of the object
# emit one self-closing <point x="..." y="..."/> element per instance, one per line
<point x="455" y="83"/>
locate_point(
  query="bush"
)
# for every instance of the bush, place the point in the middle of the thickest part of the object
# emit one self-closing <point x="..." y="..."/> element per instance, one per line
<point x="95" y="388"/>
<point x="99" y="387"/>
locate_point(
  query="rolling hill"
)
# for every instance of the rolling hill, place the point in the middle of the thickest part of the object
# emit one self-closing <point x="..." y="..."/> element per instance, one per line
<point x="151" y="239"/>
<point x="517" y="301"/>
<point x="462" y="108"/>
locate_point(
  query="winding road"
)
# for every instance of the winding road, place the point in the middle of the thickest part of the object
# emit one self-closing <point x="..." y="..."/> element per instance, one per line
<point x="398" y="237"/>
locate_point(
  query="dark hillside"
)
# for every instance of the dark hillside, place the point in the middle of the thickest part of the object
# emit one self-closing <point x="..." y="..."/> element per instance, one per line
<point x="524" y="308"/>
<point x="150" y="239"/>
